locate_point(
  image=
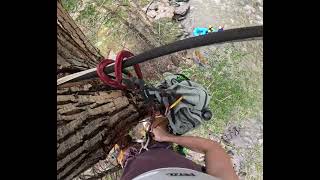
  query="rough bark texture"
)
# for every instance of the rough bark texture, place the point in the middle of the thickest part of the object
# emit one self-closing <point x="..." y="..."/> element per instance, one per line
<point x="91" y="119"/>
<point x="74" y="51"/>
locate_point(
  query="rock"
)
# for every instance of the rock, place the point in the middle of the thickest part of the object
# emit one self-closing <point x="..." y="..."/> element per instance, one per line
<point x="144" y="9"/>
<point x="165" y="12"/>
<point x="164" y="15"/>
<point x="174" y="3"/>
<point x="186" y="33"/>
<point x="161" y="6"/>
<point x="165" y="2"/>
<point x="182" y="10"/>
<point x="154" y="6"/>
<point x="178" y="18"/>
<point x="181" y="0"/>
<point x="181" y="18"/>
<point x="152" y="13"/>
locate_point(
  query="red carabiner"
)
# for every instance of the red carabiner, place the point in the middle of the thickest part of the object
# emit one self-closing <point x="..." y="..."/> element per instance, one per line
<point x="118" y="65"/>
<point x="117" y="83"/>
<point x="105" y="78"/>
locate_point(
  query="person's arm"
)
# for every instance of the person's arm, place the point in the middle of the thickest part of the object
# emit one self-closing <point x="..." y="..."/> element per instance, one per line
<point x="217" y="161"/>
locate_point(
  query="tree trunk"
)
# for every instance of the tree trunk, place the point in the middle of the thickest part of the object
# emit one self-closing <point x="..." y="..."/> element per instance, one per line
<point x="74" y="51"/>
<point x="90" y="121"/>
<point x="91" y="117"/>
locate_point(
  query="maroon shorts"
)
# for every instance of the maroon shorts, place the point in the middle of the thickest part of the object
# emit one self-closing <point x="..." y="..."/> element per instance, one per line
<point x="159" y="155"/>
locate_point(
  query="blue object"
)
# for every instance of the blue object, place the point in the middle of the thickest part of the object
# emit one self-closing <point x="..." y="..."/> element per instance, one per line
<point x="200" y="31"/>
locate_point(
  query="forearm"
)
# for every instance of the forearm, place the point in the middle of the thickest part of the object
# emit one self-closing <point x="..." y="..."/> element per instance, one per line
<point x="197" y="144"/>
<point x="217" y="161"/>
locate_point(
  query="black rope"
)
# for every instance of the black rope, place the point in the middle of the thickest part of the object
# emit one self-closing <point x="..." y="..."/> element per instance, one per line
<point x="193" y="42"/>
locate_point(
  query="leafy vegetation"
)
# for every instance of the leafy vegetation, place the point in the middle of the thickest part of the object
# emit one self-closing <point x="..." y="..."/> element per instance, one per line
<point x="236" y="92"/>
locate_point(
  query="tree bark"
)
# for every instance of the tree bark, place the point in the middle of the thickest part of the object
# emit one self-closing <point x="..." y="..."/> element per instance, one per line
<point x="90" y="121"/>
<point x="74" y="51"/>
<point x="91" y="117"/>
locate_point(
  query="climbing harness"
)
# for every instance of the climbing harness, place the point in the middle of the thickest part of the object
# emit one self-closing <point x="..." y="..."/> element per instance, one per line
<point x="145" y="146"/>
<point x="183" y="102"/>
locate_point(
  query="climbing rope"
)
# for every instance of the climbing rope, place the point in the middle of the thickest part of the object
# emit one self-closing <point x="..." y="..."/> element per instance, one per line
<point x="193" y="42"/>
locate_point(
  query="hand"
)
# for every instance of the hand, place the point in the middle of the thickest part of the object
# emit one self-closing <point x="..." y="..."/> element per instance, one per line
<point x="160" y="134"/>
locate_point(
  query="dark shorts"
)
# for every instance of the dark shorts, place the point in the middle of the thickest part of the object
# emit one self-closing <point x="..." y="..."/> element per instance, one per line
<point x="159" y="155"/>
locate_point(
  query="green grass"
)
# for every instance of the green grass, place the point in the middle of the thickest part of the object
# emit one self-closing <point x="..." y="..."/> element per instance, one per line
<point x="235" y="88"/>
<point x="234" y="81"/>
<point x="144" y="2"/>
<point x="254" y="165"/>
<point x="88" y="13"/>
<point x="70" y="5"/>
<point x="167" y="30"/>
<point x="236" y="91"/>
